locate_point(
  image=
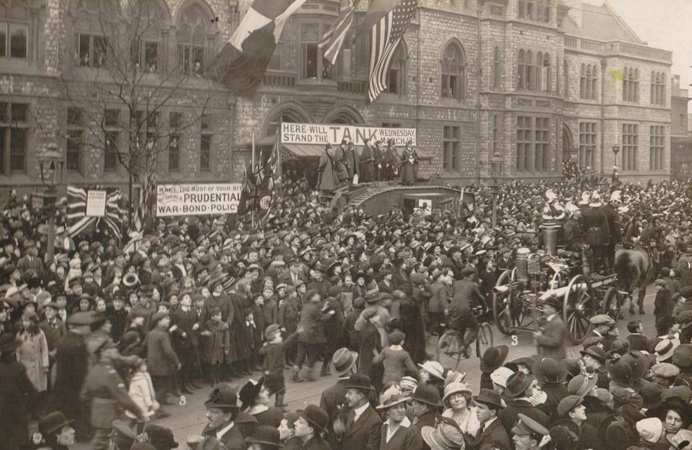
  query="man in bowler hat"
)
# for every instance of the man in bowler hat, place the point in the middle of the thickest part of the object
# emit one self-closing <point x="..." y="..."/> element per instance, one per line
<point x="362" y="429"/>
<point x="550" y="340"/>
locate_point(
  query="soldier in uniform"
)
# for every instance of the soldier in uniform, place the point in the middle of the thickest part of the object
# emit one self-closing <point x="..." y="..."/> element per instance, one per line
<point x="380" y="162"/>
<point x="611" y="212"/>
<point x="105" y="390"/>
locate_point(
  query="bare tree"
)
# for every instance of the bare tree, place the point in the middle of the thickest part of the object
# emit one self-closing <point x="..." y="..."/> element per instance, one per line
<point x="123" y="82"/>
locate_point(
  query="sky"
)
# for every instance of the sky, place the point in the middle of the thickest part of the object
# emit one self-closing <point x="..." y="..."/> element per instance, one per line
<point x="665" y="24"/>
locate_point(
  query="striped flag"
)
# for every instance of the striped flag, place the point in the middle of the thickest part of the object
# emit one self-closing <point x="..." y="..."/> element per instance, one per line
<point x="241" y="63"/>
<point x="77" y="220"/>
<point x="333" y="39"/>
<point x="388" y="20"/>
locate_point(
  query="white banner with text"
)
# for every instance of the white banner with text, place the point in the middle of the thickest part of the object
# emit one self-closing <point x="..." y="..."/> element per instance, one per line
<point x="197" y="199"/>
<point x="310" y="133"/>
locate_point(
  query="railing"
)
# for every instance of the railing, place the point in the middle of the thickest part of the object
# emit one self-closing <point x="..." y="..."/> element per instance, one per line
<point x="643" y="51"/>
<point x="279" y="80"/>
<point x="585" y="44"/>
<point x="570" y="42"/>
<point x="353" y="87"/>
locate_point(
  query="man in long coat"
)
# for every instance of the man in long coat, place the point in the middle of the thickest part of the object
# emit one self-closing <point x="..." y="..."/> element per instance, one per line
<point x="327" y="178"/>
<point x="550" y="340"/>
<point x="367" y="163"/>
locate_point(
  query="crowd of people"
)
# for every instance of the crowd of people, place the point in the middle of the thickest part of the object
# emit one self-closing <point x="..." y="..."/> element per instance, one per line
<point x="96" y="341"/>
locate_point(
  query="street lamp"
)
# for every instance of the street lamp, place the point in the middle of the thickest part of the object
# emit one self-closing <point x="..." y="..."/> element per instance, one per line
<point x="496" y="163"/>
<point x="616" y="150"/>
<point x="52" y="166"/>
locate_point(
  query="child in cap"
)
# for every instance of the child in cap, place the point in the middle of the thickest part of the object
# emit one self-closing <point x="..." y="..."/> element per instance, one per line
<point x="216" y="345"/>
<point x="274" y="353"/>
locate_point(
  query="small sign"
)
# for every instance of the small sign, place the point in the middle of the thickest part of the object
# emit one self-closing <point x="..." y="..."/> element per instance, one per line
<point x="96" y="204"/>
<point x="425" y="207"/>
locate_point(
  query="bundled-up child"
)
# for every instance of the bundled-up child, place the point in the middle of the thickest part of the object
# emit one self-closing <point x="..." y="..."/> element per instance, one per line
<point x="274" y="353"/>
<point x="142" y="393"/>
<point x="216" y="346"/>
<point x="397" y="361"/>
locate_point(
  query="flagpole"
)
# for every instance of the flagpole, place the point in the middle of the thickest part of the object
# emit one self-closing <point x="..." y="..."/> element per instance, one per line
<point x="252" y="172"/>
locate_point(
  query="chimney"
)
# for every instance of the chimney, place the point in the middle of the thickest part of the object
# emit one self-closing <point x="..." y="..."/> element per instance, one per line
<point x="575" y="10"/>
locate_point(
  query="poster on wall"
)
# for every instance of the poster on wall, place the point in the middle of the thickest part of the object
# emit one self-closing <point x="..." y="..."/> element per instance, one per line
<point x="311" y="133"/>
<point x="197" y="199"/>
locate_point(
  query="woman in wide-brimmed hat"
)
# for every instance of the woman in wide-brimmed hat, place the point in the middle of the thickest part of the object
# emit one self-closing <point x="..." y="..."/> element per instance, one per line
<point x="397" y="431"/>
<point x="445" y="436"/>
<point x="458" y="401"/>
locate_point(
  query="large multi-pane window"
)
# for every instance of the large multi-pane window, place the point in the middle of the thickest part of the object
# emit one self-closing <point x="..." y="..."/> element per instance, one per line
<point x="92" y="44"/>
<point x="537" y="10"/>
<point x="588" y="82"/>
<point x="496" y="72"/>
<point x="453" y="72"/>
<point x="14" y="29"/>
<point x="192" y="40"/>
<point x="205" y="145"/>
<point x="658" y="88"/>
<point x="495" y="134"/>
<point x="315" y="66"/>
<point x="630" y="146"/>
<point x="396" y="74"/>
<point x="175" y="124"/>
<point x="451" y="146"/>
<point x="657" y="147"/>
<point x="587" y="144"/>
<point x="630" y="85"/>
<point x="111" y="124"/>
<point x="14" y="134"/>
<point x="75" y="139"/>
<point x="533" y="144"/>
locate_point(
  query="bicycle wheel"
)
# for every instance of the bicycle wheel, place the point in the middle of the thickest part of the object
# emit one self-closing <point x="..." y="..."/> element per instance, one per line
<point x="485" y="338"/>
<point x="449" y="349"/>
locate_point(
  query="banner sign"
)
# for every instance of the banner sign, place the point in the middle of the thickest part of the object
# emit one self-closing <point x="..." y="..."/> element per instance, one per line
<point x="310" y="133"/>
<point x="197" y="199"/>
<point x="96" y="203"/>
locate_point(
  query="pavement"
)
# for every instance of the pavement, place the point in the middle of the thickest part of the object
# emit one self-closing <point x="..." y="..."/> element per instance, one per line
<point x="190" y="419"/>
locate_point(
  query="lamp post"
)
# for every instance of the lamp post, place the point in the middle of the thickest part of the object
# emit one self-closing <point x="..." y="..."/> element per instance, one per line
<point x="52" y="166"/>
<point x="496" y="163"/>
<point x="616" y="150"/>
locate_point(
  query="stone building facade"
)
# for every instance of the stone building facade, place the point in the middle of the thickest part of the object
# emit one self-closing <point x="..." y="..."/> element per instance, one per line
<point x="680" y="139"/>
<point x="537" y="82"/>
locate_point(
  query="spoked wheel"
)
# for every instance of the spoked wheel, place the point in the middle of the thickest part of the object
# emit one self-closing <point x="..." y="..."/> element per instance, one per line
<point x="612" y="303"/>
<point x="578" y="307"/>
<point x="449" y="350"/>
<point x="485" y="339"/>
<point x="502" y="303"/>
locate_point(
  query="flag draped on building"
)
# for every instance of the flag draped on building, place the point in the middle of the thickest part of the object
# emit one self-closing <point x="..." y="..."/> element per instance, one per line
<point x="241" y="64"/>
<point x="333" y="39"/>
<point x="386" y="21"/>
<point x="77" y="219"/>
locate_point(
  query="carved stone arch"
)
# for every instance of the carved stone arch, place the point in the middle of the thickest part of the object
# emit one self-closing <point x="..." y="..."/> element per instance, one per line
<point x="201" y="3"/>
<point x="344" y="114"/>
<point x="289" y="111"/>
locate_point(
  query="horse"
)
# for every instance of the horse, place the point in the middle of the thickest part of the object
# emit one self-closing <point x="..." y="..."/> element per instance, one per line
<point x="633" y="268"/>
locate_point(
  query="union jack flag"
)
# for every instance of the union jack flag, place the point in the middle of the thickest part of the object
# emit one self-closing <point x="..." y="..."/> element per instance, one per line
<point x="386" y="33"/>
<point x="78" y="221"/>
<point x="334" y="37"/>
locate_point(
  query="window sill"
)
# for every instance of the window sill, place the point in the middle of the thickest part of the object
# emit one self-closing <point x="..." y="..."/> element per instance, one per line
<point x="451" y="101"/>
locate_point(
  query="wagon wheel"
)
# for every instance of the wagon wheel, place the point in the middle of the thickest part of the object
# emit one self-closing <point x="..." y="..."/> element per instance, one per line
<point x="502" y="299"/>
<point x="578" y="307"/>
<point x="612" y="303"/>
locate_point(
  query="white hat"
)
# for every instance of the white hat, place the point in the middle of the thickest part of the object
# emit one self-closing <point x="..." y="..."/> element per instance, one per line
<point x="550" y="195"/>
<point x="616" y="196"/>
<point x="500" y="376"/>
<point x="650" y="429"/>
<point x="664" y="350"/>
<point x="595" y="200"/>
<point x="434" y="368"/>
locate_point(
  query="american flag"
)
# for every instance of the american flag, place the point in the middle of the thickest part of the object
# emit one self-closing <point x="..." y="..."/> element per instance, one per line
<point x="333" y="39"/>
<point x="77" y="220"/>
<point x="385" y="36"/>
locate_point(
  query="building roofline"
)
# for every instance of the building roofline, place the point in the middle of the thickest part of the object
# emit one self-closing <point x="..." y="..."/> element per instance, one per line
<point x="622" y="23"/>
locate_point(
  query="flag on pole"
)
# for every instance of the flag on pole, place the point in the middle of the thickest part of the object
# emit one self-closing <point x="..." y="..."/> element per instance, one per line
<point x="241" y="63"/>
<point x="386" y="21"/>
<point x="269" y="180"/>
<point x="333" y="39"/>
<point x="78" y="221"/>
